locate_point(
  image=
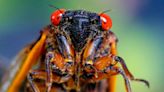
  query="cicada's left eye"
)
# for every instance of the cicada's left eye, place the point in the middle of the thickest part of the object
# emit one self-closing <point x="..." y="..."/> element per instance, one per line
<point x="106" y="21"/>
<point x="56" y="16"/>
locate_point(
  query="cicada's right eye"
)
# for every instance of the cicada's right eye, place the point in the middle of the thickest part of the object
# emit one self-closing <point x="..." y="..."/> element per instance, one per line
<point x="106" y="21"/>
<point x="56" y="16"/>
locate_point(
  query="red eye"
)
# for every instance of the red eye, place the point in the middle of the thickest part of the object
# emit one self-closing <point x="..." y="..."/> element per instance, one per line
<point x="106" y="21"/>
<point x="56" y="16"/>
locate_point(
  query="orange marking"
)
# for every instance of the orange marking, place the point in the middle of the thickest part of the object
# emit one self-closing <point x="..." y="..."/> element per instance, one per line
<point x="88" y="50"/>
<point x="27" y="65"/>
<point x="103" y="62"/>
<point x="112" y="79"/>
<point x="72" y="51"/>
<point x="58" y="60"/>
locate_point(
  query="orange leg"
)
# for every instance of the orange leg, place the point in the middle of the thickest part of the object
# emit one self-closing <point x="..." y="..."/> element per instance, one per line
<point x="53" y="61"/>
<point x="62" y="63"/>
<point x="48" y="59"/>
<point x="112" y="80"/>
<point x="32" y="84"/>
<point x="120" y="71"/>
<point x="110" y="69"/>
<point x="42" y="75"/>
<point x="96" y="67"/>
<point x="109" y="72"/>
<point x="58" y="63"/>
<point x="128" y="73"/>
<point x="88" y="57"/>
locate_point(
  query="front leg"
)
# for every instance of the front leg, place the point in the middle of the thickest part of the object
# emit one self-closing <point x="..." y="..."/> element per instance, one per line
<point x="48" y="60"/>
<point x="39" y="86"/>
<point x="117" y="70"/>
<point x="58" y="59"/>
<point x="112" y="69"/>
<point x="105" y="70"/>
<point x="128" y="73"/>
<point x="33" y="86"/>
<point x="48" y="70"/>
<point x="56" y="64"/>
<point x="106" y="67"/>
<point x="98" y="48"/>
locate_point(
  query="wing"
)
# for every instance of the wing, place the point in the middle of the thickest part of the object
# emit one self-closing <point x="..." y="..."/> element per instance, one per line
<point x="22" y="63"/>
<point x="16" y="64"/>
<point x="112" y="79"/>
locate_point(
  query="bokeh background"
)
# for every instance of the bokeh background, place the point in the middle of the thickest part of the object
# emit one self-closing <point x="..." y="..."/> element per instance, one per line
<point x="138" y="24"/>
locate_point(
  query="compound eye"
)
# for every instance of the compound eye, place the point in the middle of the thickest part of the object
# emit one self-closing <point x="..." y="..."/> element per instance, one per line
<point x="56" y="16"/>
<point x="106" y="21"/>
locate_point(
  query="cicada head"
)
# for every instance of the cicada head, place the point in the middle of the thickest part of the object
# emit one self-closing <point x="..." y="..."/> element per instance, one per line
<point x="80" y="25"/>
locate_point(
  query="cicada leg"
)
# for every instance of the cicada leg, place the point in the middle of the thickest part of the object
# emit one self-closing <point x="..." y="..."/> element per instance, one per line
<point x="58" y="58"/>
<point x="118" y="60"/>
<point x="49" y="57"/>
<point x="32" y="84"/>
<point x="106" y="67"/>
<point x="107" y="70"/>
<point x="56" y="64"/>
<point x="88" y="55"/>
<point x="118" y="70"/>
<point x="128" y="73"/>
<point x="101" y="44"/>
<point x="48" y="76"/>
<point x="40" y="86"/>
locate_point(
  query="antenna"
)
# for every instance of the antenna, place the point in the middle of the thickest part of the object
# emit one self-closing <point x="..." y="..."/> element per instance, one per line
<point x="106" y="11"/>
<point x="50" y="5"/>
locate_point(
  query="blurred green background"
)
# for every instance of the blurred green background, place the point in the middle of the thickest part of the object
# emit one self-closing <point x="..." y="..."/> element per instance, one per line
<point x="138" y="24"/>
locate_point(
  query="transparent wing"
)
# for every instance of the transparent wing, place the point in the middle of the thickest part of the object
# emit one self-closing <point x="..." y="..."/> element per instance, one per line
<point x="14" y="68"/>
<point x="21" y="65"/>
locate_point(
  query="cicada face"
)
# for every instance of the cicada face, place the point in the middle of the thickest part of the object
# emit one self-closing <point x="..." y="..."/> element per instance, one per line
<point x="81" y="26"/>
<point x="77" y="51"/>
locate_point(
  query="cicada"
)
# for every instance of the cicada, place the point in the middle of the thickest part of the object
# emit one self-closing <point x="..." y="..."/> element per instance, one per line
<point x="76" y="52"/>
